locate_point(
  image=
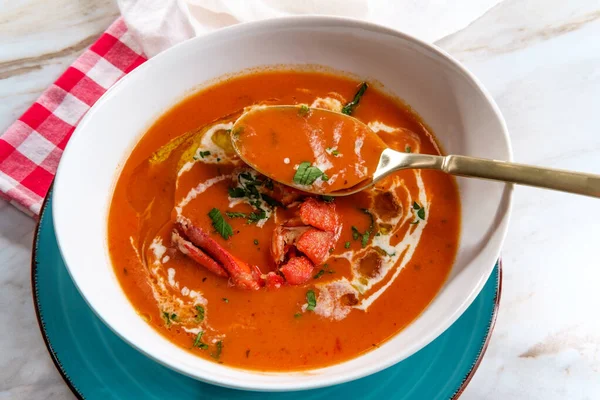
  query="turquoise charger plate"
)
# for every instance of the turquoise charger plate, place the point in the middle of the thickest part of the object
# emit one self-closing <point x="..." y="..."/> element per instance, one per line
<point x="96" y="364"/>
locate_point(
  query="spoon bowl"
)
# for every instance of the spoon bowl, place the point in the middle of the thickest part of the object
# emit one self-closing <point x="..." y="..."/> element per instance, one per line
<point x="253" y="126"/>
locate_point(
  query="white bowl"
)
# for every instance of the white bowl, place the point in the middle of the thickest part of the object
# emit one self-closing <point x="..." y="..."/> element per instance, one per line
<point x="462" y="114"/>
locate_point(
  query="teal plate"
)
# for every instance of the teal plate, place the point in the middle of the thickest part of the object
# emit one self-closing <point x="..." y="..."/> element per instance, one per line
<point x="96" y="364"/>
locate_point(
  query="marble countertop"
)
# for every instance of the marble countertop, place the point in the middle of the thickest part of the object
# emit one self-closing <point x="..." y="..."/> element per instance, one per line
<point x="541" y="61"/>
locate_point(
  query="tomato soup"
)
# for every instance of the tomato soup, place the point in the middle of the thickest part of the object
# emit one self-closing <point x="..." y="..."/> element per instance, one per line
<point x="244" y="271"/>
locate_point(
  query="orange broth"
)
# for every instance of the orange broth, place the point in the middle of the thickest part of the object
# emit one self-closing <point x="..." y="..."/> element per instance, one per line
<point x="271" y="329"/>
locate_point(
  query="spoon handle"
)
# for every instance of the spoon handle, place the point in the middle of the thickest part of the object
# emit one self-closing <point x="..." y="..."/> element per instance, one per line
<point x="566" y="181"/>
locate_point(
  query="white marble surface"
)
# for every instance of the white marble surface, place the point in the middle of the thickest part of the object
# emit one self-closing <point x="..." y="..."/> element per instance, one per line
<point x="541" y="61"/>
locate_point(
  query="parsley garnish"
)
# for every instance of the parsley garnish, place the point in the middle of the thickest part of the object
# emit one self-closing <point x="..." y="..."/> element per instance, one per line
<point x="256" y="242"/>
<point x="304" y="110"/>
<point x="297" y="315"/>
<point x="347" y="245"/>
<point x="237" y="192"/>
<point x="323" y="270"/>
<point x="198" y="342"/>
<point x="204" y="153"/>
<point x="311" y="300"/>
<point x="334" y="152"/>
<point x="217" y="354"/>
<point x="219" y="223"/>
<point x="348" y="109"/>
<point x="167" y="318"/>
<point x="408" y="149"/>
<point x="225" y="299"/>
<point x="271" y="201"/>
<point x="327" y="199"/>
<point x="307" y="174"/>
<point x="231" y="214"/>
<point x="364" y="237"/>
<point x="257" y="216"/>
<point x="420" y="212"/>
<point x="200" y="314"/>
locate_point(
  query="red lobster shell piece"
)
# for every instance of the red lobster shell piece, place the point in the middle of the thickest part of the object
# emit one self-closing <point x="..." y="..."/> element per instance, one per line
<point x="240" y="273"/>
<point x="193" y="252"/>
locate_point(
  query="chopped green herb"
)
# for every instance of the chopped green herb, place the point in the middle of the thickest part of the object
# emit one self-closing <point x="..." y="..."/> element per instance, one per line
<point x="367" y="234"/>
<point x="271" y="201"/>
<point x="304" y="110"/>
<point x="408" y="149"/>
<point x="324" y="177"/>
<point x="323" y="270"/>
<point x="386" y="253"/>
<point x="204" y="153"/>
<point x="307" y="174"/>
<point x="327" y="199"/>
<point x="218" y="159"/>
<point x="217" y="354"/>
<point x="198" y="341"/>
<point x="219" y="223"/>
<point x="174" y="317"/>
<point x="311" y="300"/>
<point x="167" y="317"/>
<point x="256" y="204"/>
<point x="335" y="153"/>
<point x="420" y="210"/>
<point x="199" y="313"/>
<point x="364" y="237"/>
<point x="348" y="109"/>
<point x="225" y="299"/>
<point x="257" y="216"/>
<point x="231" y="214"/>
<point x="256" y="242"/>
<point x="297" y="315"/>
<point x="347" y="245"/>
<point x="237" y="192"/>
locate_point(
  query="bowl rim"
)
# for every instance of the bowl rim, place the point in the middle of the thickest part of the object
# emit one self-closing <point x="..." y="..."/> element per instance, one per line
<point x="304" y="21"/>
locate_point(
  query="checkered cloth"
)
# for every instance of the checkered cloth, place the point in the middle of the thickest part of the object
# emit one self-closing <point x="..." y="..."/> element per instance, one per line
<point x="31" y="147"/>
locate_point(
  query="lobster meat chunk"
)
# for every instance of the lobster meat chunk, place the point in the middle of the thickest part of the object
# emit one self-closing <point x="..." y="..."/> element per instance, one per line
<point x="302" y="242"/>
<point x="274" y="281"/>
<point x="297" y="246"/>
<point x="283" y="239"/>
<point x="315" y="244"/>
<point x="240" y="273"/>
<point x="297" y="270"/>
<point x="319" y="214"/>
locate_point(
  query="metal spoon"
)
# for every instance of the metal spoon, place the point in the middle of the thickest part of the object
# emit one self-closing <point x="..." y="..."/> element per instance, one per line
<point x="391" y="161"/>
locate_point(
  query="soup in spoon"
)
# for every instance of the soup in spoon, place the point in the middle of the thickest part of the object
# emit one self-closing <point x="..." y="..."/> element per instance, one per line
<point x="312" y="149"/>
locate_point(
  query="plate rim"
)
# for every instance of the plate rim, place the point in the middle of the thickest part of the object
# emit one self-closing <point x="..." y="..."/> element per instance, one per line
<point x="77" y="393"/>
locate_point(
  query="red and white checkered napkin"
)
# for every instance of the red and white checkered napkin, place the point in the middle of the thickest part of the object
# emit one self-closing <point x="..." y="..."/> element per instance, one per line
<point x="31" y="147"/>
